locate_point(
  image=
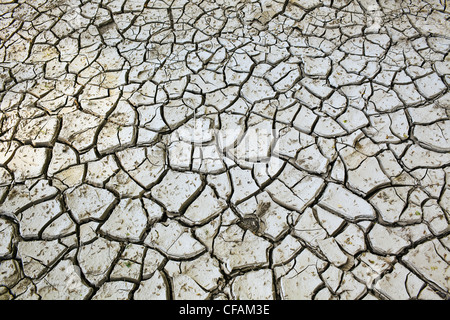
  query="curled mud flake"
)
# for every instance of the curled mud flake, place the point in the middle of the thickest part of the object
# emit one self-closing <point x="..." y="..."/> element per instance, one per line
<point x="250" y="222"/>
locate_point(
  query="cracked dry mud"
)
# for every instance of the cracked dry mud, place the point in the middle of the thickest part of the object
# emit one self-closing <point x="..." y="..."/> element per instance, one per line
<point x="239" y="149"/>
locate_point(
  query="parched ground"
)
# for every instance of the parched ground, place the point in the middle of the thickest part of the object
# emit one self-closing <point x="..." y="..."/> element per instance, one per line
<point x="159" y="149"/>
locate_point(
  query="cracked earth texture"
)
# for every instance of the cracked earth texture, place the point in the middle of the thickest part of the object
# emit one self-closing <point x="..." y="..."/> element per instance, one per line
<point x="239" y="149"/>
